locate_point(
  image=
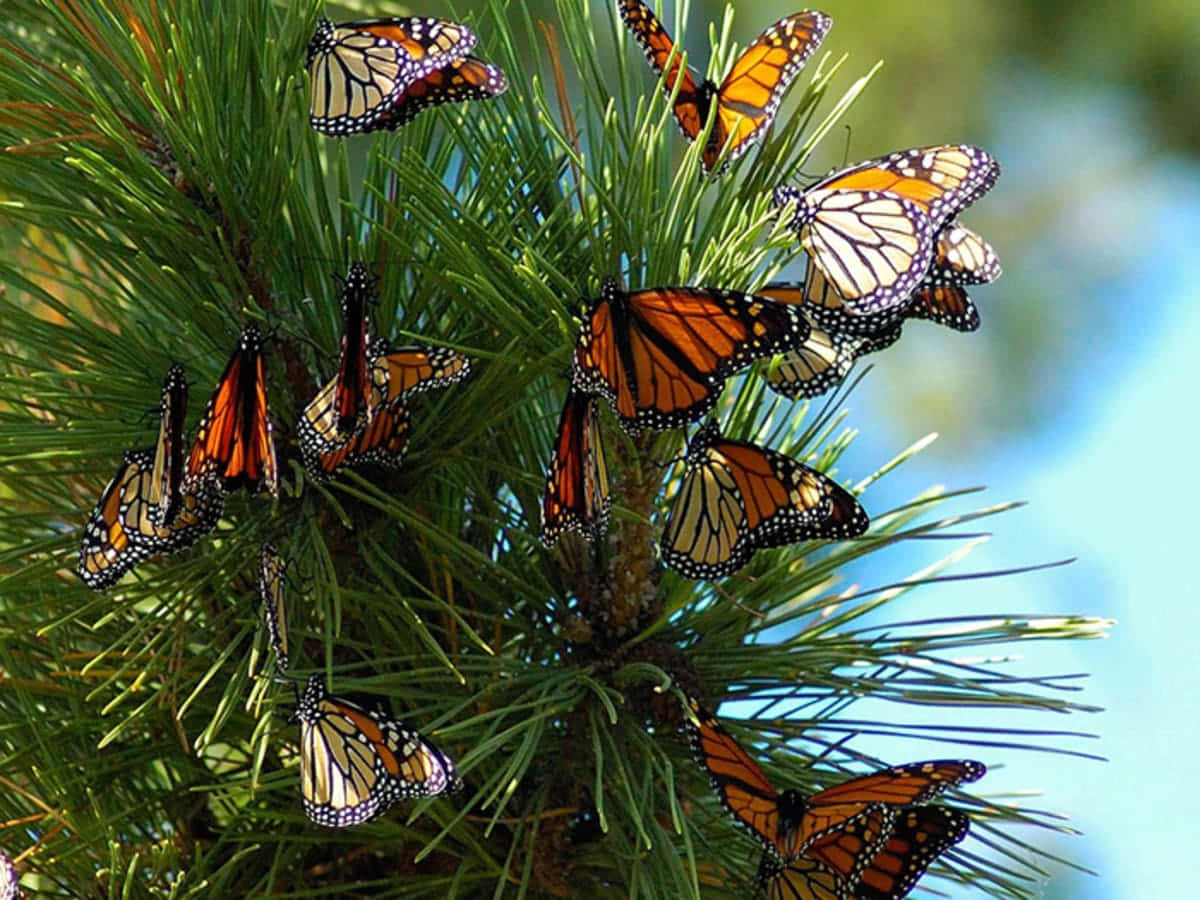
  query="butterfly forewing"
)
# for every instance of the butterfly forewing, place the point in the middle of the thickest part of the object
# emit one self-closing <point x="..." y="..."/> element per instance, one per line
<point x="352" y="387"/>
<point x="469" y="78"/>
<point x="271" y="572"/>
<point x="167" y="480"/>
<point x="660" y="356"/>
<point x="576" y="496"/>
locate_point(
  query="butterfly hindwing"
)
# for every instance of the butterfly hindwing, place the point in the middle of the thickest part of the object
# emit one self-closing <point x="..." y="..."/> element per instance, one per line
<point x="469" y="78"/>
<point x="271" y="572"/>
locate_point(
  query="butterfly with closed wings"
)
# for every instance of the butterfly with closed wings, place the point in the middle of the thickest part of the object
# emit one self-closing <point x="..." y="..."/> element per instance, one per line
<point x="576" y="496"/>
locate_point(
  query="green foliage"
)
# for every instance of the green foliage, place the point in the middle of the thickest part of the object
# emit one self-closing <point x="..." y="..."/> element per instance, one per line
<point x="160" y="187"/>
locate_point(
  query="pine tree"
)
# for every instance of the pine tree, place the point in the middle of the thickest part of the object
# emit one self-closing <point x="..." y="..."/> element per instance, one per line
<point x="160" y="186"/>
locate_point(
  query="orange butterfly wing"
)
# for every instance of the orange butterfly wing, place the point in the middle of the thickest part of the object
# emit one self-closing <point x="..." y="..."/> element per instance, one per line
<point x="917" y="837"/>
<point x="469" y="78"/>
<point x="660" y="356"/>
<point x="692" y="101"/>
<point x="576" y="497"/>
<point x="233" y="442"/>
<point x="352" y="391"/>
<point x="741" y="785"/>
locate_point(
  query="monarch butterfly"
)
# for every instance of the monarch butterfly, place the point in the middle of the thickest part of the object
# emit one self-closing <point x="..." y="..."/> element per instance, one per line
<point x="271" y="572"/>
<point x="876" y="861"/>
<point x="352" y="387"/>
<point x="394" y="377"/>
<point x="233" y="442"/>
<point x="871" y="228"/>
<point x="358" y="70"/>
<point x="749" y="97"/>
<point x="10" y="881"/>
<point x="660" y="356"/>
<point x="167" y="480"/>
<point x="788" y="823"/>
<point x="469" y="78"/>
<point x="576" y="497"/>
<point x="736" y="498"/>
<point x="355" y="764"/>
<point x="121" y="532"/>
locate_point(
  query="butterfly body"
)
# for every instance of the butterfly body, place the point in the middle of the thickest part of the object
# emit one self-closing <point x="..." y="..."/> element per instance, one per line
<point x="660" y="356"/>
<point x="747" y="99"/>
<point x="356" y="763"/>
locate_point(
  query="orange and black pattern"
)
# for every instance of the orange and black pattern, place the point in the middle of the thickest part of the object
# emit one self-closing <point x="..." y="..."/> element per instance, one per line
<point x="469" y="78"/>
<point x="576" y="497"/>
<point x="352" y="387"/>
<point x="660" y="356"/>
<point x="234" y="443"/>
<point x="748" y="98"/>
<point x="736" y="498"/>
<point x="359" y="70"/>
<point x="121" y="531"/>
<point x="357" y="763"/>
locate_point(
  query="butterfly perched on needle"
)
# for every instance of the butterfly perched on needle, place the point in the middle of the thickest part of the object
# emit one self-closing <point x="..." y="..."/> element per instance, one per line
<point x="271" y="572"/>
<point x="834" y="837"/>
<point x="166" y="494"/>
<point x="736" y="498"/>
<point x="356" y="763"/>
<point x="121" y="531"/>
<point x="871" y="229"/>
<point x="748" y="98"/>
<point x="660" y="356"/>
<point x="360" y="70"/>
<point x="233" y="443"/>
<point x="576" y="496"/>
<point x="395" y="376"/>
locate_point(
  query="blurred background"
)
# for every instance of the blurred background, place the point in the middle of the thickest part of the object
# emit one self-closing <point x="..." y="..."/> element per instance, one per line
<point x="1078" y="394"/>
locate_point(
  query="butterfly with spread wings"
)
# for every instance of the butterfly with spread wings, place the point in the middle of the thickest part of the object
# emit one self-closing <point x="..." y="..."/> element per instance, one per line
<point x="395" y="377"/>
<point x="871" y="833"/>
<point x="867" y="860"/>
<point x="576" y="497"/>
<point x="736" y="498"/>
<point x="872" y="228"/>
<point x="356" y="763"/>
<point x="121" y="531"/>
<point x="660" y="356"/>
<point x="748" y="98"/>
<point x="233" y="443"/>
<point x="360" y="70"/>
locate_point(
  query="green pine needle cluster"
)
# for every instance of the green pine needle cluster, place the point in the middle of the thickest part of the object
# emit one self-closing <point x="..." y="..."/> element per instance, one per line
<point x="160" y="186"/>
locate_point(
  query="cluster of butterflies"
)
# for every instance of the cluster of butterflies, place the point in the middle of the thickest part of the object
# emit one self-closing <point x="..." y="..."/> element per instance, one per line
<point x="162" y="500"/>
<point x="869" y="838"/>
<point x="884" y="245"/>
<point x="356" y="759"/>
